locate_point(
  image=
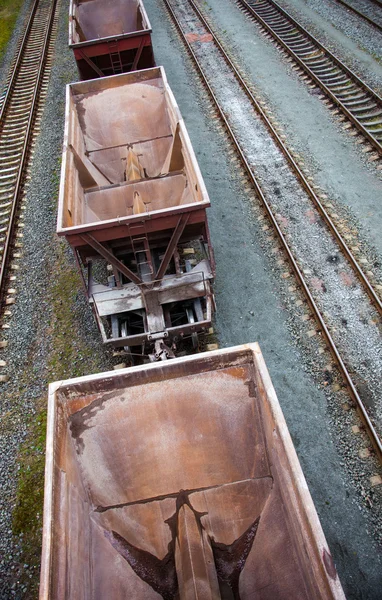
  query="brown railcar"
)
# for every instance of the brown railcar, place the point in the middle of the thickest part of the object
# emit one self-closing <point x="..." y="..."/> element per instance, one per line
<point x="108" y="38"/>
<point x="133" y="207"/>
<point x="178" y="480"/>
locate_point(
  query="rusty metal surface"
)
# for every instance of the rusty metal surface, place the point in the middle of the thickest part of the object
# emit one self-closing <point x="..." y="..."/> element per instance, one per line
<point x="132" y="196"/>
<point x="95" y="19"/>
<point x="178" y="480"/>
<point x="109" y="37"/>
<point x="108" y="119"/>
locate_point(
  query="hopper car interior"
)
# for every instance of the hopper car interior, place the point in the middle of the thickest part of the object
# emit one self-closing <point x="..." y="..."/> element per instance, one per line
<point x="133" y="207"/>
<point x="108" y="38"/>
<point x="118" y="523"/>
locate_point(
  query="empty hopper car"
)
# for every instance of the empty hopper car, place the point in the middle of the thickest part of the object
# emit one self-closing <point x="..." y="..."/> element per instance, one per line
<point x="210" y="503"/>
<point x="132" y="206"/>
<point x="108" y="38"/>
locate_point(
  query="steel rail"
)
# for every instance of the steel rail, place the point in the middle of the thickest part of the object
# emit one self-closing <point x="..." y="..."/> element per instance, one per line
<point x="374" y="437"/>
<point x="5" y="98"/>
<point x="25" y="151"/>
<point x="360" y="14"/>
<point x="352" y="77"/>
<point x="297" y="170"/>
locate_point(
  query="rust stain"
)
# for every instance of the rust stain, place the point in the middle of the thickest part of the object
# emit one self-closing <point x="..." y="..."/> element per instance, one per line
<point x="312" y="216"/>
<point x="196" y="37"/>
<point x="192" y="37"/>
<point x="329" y="564"/>
<point x="283" y="221"/>
<point x="192" y="556"/>
<point x="237" y="372"/>
<point x="252" y="389"/>
<point x="77" y="404"/>
<point x="81" y="421"/>
<point x="346" y="279"/>
<point x="206" y="37"/>
<point x="158" y="574"/>
<point x="318" y="284"/>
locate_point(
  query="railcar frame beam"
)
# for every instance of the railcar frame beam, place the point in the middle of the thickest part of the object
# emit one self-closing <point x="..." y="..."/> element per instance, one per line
<point x="109" y="256"/>
<point x="138" y="55"/>
<point x="172" y="244"/>
<point x="91" y="64"/>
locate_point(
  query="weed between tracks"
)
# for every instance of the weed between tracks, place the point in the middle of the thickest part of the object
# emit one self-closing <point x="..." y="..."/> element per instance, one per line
<point x="69" y="356"/>
<point x="9" y="10"/>
<point x="27" y="516"/>
<point x="60" y="349"/>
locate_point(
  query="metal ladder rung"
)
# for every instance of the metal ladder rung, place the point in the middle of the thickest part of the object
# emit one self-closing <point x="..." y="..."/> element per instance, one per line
<point x="145" y="248"/>
<point x="115" y="57"/>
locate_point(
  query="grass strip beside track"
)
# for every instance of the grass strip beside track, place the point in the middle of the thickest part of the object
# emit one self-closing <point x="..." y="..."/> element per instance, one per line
<point x="9" y="10"/>
<point x="69" y="357"/>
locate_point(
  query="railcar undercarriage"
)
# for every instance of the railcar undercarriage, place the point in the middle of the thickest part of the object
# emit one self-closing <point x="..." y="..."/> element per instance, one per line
<point x="153" y="318"/>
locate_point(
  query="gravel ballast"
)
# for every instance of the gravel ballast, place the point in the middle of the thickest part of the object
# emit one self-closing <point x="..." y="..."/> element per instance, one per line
<point x="12" y="46"/>
<point x="350" y="38"/>
<point x="252" y="305"/>
<point x="335" y="160"/>
<point x="353" y="322"/>
<point x="368" y="8"/>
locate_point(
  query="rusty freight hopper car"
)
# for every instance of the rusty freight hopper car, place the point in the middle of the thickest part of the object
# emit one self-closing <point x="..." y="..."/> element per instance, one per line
<point x="133" y="207"/>
<point x="178" y="480"/>
<point x="109" y="37"/>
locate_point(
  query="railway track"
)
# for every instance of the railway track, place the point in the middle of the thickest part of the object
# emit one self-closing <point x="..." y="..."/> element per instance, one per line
<point x="21" y="106"/>
<point x="358" y="102"/>
<point x="201" y="30"/>
<point x="365" y="5"/>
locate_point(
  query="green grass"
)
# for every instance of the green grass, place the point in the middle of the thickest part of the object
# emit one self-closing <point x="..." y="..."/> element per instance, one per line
<point x="69" y="357"/>
<point x="66" y="348"/>
<point x="31" y="482"/>
<point x="9" y="10"/>
<point x="28" y="512"/>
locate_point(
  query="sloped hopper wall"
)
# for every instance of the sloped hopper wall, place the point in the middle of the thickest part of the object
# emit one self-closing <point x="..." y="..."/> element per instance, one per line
<point x="127" y="151"/>
<point x="100" y="18"/>
<point x="123" y="449"/>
